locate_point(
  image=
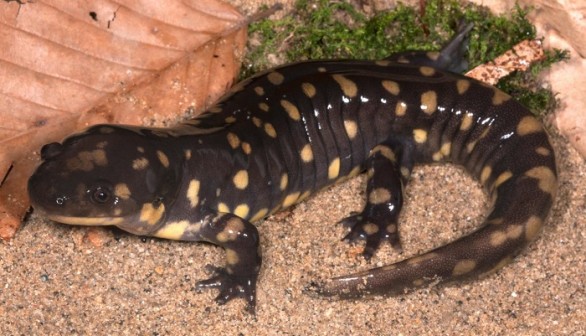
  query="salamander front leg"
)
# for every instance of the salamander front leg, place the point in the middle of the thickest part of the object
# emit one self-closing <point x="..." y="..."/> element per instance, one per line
<point x="388" y="170"/>
<point x="240" y="240"/>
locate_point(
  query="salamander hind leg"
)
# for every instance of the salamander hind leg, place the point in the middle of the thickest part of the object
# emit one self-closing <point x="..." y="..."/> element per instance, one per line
<point x="388" y="168"/>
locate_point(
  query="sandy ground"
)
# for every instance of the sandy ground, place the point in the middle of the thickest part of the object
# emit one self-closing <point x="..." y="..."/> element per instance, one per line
<point x="54" y="282"/>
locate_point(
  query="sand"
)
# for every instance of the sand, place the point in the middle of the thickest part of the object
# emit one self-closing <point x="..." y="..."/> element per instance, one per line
<point x="54" y="280"/>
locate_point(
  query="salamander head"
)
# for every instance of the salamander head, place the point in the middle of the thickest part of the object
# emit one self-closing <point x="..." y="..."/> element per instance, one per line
<point x="107" y="175"/>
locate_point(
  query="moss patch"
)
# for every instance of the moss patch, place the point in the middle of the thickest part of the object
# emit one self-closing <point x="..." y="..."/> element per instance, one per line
<point x="319" y="29"/>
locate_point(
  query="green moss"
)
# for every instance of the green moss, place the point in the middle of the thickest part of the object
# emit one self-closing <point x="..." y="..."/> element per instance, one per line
<point x="319" y="29"/>
<point x="528" y="90"/>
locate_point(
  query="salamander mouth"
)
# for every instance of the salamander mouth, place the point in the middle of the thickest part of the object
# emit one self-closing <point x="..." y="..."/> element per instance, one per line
<point x="86" y="221"/>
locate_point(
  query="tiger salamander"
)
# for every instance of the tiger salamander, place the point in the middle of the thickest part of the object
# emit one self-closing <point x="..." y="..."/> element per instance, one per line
<point x="284" y="134"/>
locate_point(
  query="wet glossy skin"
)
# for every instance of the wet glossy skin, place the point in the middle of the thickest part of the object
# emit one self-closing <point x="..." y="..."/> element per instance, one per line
<point x="285" y="134"/>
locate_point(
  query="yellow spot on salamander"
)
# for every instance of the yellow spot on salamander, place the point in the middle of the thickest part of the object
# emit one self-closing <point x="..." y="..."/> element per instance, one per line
<point x="467" y="121"/>
<point x="485" y="132"/>
<point x="400" y="108"/>
<point x="163" y="158"/>
<point x="87" y="160"/>
<point x="232" y="257"/>
<point x="512" y="232"/>
<point x="187" y="154"/>
<point x="256" y="121"/>
<point x="234" y="226"/>
<point x="307" y="153"/>
<point x="422" y="258"/>
<point x="241" y="179"/>
<point x="499" y="97"/>
<point x="275" y="78"/>
<point x="308" y="89"/>
<point x="379" y="196"/>
<point x="532" y="228"/>
<point x="121" y="190"/>
<point x="86" y="221"/>
<point x="215" y="109"/>
<point x="174" y="230"/>
<point x="230" y="120"/>
<point x="242" y="210"/>
<point x="382" y="63"/>
<point x="222" y="207"/>
<point x="427" y="71"/>
<point x="496" y="221"/>
<point x="543" y="151"/>
<point x="246" y="148"/>
<point x="403" y="60"/>
<point x="233" y="140"/>
<point x="528" y="125"/>
<point x="420" y="135"/>
<point x="270" y="130"/>
<point x="391" y="86"/>
<point x="284" y="181"/>
<point x="462" y="85"/>
<point x="304" y="195"/>
<point x="385" y="151"/>
<point x="291" y="109"/>
<point x="433" y="55"/>
<point x="259" y="215"/>
<point x="290" y="199"/>
<point x="429" y="102"/>
<point x="470" y="146"/>
<point x="348" y="87"/>
<point x="546" y="179"/>
<point x="464" y="266"/>
<point x="140" y="163"/>
<point x="263" y="107"/>
<point x="446" y="149"/>
<point x="259" y="90"/>
<point x="485" y="174"/>
<point x="502" y="178"/>
<point x="418" y="282"/>
<point x="354" y="172"/>
<point x="351" y="128"/>
<point x="370" y="228"/>
<point x="192" y="192"/>
<point x="150" y="214"/>
<point x="334" y="169"/>
<point x="497" y="238"/>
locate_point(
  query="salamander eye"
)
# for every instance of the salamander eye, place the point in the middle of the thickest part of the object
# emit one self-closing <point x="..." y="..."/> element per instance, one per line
<point x="101" y="195"/>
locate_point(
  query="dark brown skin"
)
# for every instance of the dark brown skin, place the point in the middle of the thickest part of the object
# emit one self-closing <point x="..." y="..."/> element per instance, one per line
<point x="282" y="135"/>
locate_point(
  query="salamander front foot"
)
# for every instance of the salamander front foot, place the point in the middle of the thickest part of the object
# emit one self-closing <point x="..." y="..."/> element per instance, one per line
<point x="231" y="286"/>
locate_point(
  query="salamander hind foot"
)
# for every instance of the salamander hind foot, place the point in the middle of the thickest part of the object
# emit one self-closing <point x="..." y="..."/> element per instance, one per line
<point x="373" y="231"/>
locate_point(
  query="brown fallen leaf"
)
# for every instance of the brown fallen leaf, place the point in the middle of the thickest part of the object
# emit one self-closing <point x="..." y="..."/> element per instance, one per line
<point x="66" y="65"/>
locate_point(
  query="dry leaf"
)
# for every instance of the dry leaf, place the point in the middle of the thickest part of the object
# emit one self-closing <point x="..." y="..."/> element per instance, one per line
<point x="68" y="64"/>
<point x="518" y="58"/>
